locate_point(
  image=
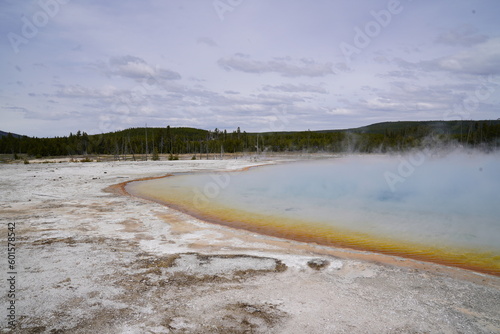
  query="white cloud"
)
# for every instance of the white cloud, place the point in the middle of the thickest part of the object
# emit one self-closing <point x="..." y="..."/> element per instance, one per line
<point x="284" y="66"/>
<point x="78" y="91"/>
<point x="482" y="59"/>
<point x="464" y="35"/>
<point x="137" y="69"/>
<point x="296" y="88"/>
<point x="207" y="41"/>
<point x="338" y="111"/>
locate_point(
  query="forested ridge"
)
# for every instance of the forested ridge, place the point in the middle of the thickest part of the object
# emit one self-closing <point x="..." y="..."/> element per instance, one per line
<point x="380" y="137"/>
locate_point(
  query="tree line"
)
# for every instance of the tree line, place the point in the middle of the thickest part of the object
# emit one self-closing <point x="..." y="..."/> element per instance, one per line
<point x="380" y="137"/>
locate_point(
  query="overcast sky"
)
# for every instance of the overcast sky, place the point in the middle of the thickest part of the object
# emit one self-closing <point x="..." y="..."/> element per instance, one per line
<point x="261" y="65"/>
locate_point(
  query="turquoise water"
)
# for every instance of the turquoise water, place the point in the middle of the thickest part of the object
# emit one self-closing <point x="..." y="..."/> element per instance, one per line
<point x="444" y="203"/>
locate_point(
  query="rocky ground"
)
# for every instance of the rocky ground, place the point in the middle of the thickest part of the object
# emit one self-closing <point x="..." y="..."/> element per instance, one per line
<point x="91" y="260"/>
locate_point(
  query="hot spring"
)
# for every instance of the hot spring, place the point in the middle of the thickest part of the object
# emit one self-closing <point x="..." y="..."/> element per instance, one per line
<point x="439" y="208"/>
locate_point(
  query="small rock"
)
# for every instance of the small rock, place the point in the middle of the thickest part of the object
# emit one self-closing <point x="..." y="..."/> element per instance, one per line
<point x="318" y="264"/>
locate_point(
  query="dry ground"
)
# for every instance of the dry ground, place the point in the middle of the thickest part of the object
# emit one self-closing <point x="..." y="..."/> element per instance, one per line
<point x="94" y="261"/>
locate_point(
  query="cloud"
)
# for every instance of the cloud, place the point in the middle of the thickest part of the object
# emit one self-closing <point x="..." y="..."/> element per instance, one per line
<point x="343" y="67"/>
<point x="399" y="74"/>
<point x="273" y="99"/>
<point x="291" y="88"/>
<point x="77" y="91"/>
<point x="138" y="69"/>
<point x="402" y="100"/>
<point x="464" y="35"/>
<point x="284" y="66"/>
<point x="51" y="114"/>
<point x="338" y="111"/>
<point x="142" y="102"/>
<point x="405" y="100"/>
<point x="207" y="41"/>
<point x="481" y="59"/>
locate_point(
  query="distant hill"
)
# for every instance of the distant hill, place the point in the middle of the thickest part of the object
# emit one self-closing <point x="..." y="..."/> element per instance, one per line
<point x="449" y="127"/>
<point x="3" y="133"/>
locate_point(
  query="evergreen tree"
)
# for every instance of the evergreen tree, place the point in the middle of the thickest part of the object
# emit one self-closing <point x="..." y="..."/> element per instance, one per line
<point x="155" y="157"/>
